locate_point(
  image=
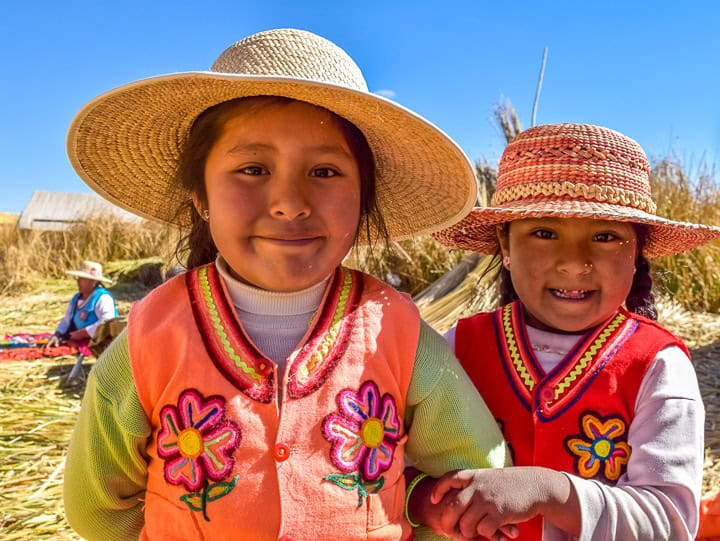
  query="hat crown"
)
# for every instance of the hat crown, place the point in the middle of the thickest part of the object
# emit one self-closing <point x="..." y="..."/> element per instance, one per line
<point x="291" y="53"/>
<point x="577" y="162"/>
<point x="90" y="267"/>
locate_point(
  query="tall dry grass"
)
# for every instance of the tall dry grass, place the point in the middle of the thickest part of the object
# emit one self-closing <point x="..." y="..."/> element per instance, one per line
<point x="27" y="256"/>
<point x="692" y="278"/>
<point x="408" y="265"/>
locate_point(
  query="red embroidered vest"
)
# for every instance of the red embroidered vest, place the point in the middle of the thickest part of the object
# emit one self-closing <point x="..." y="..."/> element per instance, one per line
<point x="575" y="418"/>
<point x="226" y="461"/>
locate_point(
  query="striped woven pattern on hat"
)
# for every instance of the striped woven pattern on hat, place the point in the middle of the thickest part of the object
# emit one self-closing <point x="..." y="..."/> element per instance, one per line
<point x="574" y="171"/>
<point x="574" y="162"/>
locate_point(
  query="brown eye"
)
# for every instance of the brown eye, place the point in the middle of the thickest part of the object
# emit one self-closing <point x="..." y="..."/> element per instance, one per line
<point x="543" y="234"/>
<point x="253" y="170"/>
<point x="604" y="237"/>
<point x="324" y="172"/>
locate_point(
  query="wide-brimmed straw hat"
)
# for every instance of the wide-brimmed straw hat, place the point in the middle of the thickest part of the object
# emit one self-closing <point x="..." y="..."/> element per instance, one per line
<point x="125" y="143"/>
<point x="89" y="269"/>
<point x="574" y="171"/>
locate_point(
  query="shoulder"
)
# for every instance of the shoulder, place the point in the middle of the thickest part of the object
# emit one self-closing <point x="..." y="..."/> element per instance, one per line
<point x="166" y="300"/>
<point x="477" y="320"/>
<point x="654" y="328"/>
<point x="173" y="287"/>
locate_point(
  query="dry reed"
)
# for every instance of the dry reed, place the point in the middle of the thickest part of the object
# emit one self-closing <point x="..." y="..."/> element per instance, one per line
<point x="28" y="256"/>
<point x="38" y="417"/>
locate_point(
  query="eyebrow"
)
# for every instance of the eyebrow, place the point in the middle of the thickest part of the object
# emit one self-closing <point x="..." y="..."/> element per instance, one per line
<point x="246" y="148"/>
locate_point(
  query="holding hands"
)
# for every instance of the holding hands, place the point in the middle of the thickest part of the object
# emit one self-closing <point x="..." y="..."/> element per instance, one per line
<point x="488" y="503"/>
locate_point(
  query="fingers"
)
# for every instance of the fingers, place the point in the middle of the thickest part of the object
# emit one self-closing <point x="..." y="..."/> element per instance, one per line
<point x="488" y="526"/>
<point x="503" y="534"/>
<point x="454" y="480"/>
<point x="450" y="510"/>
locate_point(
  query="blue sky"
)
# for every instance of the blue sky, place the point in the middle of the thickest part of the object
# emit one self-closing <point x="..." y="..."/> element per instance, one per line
<point x="648" y="69"/>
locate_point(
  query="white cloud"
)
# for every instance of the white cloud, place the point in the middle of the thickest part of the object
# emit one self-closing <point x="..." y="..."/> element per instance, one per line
<point x="386" y="93"/>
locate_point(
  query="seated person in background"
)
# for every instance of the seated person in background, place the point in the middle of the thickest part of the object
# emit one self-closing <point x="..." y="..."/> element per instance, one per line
<point x="89" y="307"/>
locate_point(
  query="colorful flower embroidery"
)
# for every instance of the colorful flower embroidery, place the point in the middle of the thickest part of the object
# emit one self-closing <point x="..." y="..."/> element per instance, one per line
<point x="363" y="433"/>
<point x="197" y="442"/>
<point x="602" y="447"/>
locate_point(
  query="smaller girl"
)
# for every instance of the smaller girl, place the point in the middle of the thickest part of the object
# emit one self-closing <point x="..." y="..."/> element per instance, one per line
<point x="269" y="392"/>
<point x="599" y="404"/>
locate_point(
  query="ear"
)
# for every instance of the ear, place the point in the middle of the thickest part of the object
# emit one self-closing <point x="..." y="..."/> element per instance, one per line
<point x="199" y="205"/>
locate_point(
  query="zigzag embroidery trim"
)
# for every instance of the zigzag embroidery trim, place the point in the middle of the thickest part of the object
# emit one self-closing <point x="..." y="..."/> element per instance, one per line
<point x="220" y="329"/>
<point x="512" y="349"/>
<point x="329" y="340"/>
<point x="589" y="356"/>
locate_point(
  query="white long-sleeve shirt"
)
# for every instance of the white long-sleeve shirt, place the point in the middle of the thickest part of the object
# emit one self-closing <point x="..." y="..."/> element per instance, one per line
<point x="658" y="496"/>
<point x="104" y="310"/>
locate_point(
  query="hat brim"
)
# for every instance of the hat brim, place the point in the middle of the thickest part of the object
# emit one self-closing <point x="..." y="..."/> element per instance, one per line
<point x="81" y="274"/>
<point x="477" y="232"/>
<point x="125" y="145"/>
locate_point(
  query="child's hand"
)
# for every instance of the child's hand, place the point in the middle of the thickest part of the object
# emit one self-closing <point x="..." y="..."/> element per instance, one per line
<point x="444" y="514"/>
<point x="488" y="502"/>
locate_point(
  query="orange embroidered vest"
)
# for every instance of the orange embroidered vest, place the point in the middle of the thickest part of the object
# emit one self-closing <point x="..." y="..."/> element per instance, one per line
<point x="575" y="418"/>
<point x="227" y="461"/>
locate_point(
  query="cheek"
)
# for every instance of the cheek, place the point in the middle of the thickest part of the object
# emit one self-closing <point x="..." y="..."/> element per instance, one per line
<point x="620" y="272"/>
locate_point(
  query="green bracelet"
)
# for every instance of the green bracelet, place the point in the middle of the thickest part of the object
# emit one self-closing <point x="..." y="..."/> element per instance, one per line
<point x="408" y="492"/>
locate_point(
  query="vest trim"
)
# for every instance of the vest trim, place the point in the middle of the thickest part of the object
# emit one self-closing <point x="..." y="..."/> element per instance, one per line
<point x="246" y="367"/>
<point x="561" y="388"/>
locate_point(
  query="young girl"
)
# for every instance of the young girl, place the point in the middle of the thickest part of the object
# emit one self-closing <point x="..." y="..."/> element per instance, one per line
<point x="599" y="404"/>
<point x="269" y="392"/>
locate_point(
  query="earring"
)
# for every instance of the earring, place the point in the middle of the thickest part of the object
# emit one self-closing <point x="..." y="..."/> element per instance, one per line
<point x="506" y="261"/>
<point x="206" y="215"/>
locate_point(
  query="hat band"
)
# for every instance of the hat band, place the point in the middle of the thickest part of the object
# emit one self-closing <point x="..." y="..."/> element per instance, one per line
<point x="592" y="192"/>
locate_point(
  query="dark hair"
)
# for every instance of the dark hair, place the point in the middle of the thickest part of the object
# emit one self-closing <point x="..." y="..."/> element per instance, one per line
<point x="640" y="299"/>
<point x="190" y="175"/>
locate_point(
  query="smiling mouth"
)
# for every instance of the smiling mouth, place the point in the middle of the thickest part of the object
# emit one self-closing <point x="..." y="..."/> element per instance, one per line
<point x="571" y="294"/>
<point x="289" y="241"/>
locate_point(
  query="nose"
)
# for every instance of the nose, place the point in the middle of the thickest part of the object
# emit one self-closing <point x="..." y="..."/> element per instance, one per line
<point x="288" y="199"/>
<point x="574" y="261"/>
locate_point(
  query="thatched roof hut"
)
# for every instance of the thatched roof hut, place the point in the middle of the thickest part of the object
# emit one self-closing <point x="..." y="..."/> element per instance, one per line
<point x="57" y="211"/>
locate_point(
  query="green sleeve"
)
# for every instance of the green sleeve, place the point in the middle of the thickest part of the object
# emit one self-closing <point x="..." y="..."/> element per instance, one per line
<point x="105" y="469"/>
<point x="449" y="426"/>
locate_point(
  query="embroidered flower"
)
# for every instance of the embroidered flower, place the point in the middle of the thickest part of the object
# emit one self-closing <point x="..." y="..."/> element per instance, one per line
<point x="602" y="447"/>
<point x="196" y="441"/>
<point x="364" y="432"/>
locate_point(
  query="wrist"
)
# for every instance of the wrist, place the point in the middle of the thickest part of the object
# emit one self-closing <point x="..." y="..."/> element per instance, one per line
<point x="417" y="494"/>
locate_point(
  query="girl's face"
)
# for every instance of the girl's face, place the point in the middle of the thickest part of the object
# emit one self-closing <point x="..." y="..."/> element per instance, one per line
<point x="570" y="273"/>
<point x="283" y="195"/>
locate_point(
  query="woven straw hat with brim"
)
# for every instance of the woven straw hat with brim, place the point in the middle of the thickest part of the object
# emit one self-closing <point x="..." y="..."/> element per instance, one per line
<point x="574" y="171"/>
<point x="90" y="270"/>
<point x="125" y="144"/>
